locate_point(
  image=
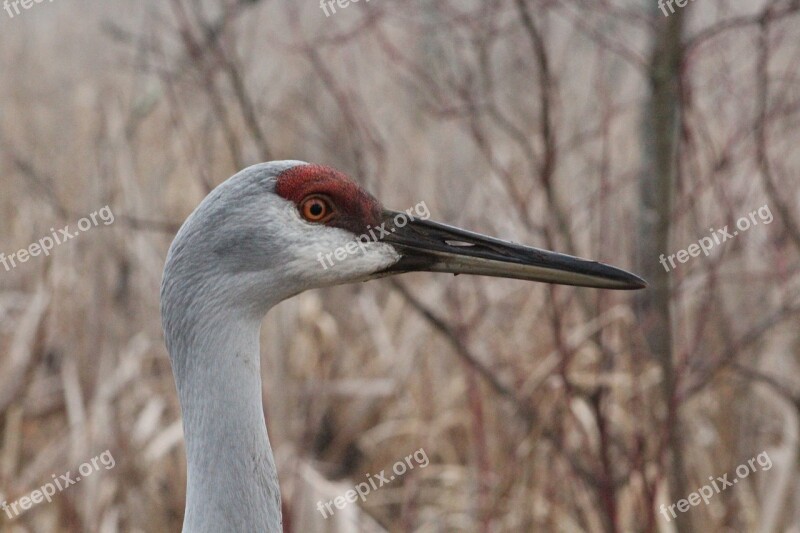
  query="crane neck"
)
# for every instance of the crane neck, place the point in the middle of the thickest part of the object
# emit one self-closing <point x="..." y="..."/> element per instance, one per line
<point x="232" y="483"/>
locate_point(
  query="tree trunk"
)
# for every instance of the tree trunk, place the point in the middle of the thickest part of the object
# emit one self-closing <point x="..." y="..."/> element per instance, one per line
<point x="660" y="127"/>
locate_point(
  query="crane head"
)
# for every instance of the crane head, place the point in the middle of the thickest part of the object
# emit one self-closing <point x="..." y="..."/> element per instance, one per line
<point x="288" y="226"/>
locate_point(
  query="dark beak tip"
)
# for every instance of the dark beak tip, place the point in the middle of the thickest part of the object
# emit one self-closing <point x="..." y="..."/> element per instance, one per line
<point x="633" y="282"/>
<point x="639" y="284"/>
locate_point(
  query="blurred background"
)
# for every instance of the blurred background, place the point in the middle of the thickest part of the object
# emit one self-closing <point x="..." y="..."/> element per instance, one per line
<point x="613" y="130"/>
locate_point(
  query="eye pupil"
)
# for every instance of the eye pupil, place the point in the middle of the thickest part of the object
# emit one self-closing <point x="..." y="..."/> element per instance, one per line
<point x="315" y="209"/>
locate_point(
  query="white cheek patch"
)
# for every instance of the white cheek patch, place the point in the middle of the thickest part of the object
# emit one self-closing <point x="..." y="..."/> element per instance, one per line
<point x="358" y="258"/>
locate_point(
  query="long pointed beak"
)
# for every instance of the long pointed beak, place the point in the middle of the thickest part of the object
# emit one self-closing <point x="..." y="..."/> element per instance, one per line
<point x="429" y="246"/>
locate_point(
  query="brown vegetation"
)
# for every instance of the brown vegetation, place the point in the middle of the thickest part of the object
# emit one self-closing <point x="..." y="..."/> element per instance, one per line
<point x="600" y="129"/>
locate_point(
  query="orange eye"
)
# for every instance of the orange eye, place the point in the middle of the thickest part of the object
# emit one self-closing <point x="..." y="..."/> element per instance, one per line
<point x="315" y="209"/>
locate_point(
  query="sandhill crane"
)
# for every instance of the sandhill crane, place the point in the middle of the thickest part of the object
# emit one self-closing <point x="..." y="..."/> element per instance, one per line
<point x="256" y="240"/>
